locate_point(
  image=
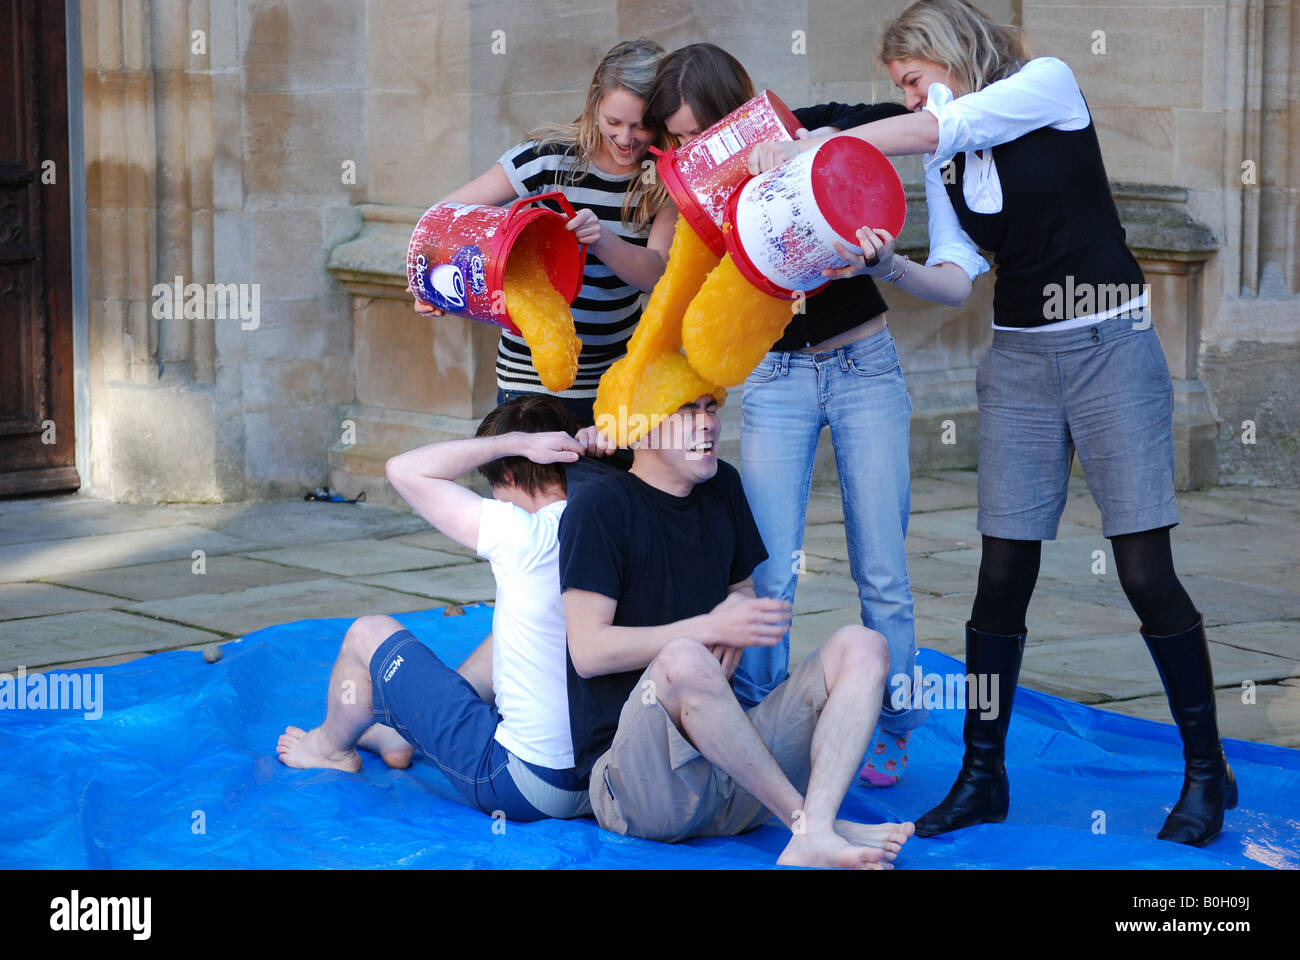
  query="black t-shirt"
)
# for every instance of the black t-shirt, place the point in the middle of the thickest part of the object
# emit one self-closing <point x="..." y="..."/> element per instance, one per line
<point x="845" y="303"/>
<point x="662" y="558"/>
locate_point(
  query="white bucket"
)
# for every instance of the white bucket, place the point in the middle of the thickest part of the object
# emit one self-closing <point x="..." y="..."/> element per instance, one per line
<point x="784" y="223"/>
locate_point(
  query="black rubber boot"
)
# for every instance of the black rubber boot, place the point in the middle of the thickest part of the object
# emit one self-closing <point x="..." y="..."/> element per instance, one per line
<point x="1208" y="784"/>
<point x="981" y="793"/>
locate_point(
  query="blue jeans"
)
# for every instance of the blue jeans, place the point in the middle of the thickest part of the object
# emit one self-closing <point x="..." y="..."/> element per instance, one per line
<point x="858" y="391"/>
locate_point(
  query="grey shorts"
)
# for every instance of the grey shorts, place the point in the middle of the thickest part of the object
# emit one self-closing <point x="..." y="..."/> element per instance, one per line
<point x="1103" y="391"/>
<point x="652" y="783"/>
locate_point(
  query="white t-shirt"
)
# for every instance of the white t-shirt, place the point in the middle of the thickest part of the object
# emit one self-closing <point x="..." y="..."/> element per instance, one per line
<point x="529" y="666"/>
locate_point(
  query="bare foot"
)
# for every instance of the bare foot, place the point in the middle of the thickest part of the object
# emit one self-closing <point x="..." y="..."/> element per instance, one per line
<point x="389" y="744"/>
<point x="887" y="836"/>
<point x="298" y="748"/>
<point x="826" y="848"/>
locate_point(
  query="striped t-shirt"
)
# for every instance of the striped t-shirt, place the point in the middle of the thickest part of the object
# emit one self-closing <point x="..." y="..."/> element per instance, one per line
<point x="606" y="310"/>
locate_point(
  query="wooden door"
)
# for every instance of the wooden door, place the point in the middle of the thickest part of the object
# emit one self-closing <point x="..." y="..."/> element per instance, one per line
<point x="37" y="436"/>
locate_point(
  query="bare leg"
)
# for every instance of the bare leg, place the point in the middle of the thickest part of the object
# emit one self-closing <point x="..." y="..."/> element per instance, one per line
<point x="689" y="684"/>
<point x="855" y="661"/>
<point x="348" y="710"/>
<point x="477" y="669"/>
<point x="389" y="744"/>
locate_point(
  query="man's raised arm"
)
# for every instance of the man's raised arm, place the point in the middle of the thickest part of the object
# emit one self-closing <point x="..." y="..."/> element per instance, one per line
<point x="426" y="477"/>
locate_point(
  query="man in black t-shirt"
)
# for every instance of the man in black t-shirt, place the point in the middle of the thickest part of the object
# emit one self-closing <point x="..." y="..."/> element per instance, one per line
<point x="655" y="569"/>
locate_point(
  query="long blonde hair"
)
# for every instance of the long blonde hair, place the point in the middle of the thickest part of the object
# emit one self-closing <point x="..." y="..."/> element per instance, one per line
<point x="631" y="65"/>
<point x="958" y="37"/>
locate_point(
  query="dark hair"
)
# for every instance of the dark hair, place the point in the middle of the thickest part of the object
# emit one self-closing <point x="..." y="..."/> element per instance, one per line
<point x="536" y="413"/>
<point x="705" y="77"/>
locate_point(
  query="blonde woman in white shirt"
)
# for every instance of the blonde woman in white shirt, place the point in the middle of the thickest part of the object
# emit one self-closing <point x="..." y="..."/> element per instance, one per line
<point x="1013" y="166"/>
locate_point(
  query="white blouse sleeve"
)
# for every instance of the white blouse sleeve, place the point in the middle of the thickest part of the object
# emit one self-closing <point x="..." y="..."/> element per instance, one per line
<point x="949" y="243"/>
<point x="1042" y="93"/>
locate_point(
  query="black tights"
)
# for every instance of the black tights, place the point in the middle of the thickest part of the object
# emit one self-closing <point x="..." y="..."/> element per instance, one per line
<point x="1144" y="561"/>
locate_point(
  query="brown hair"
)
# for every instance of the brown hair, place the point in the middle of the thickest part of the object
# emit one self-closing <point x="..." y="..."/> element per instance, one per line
<point x="958" y="37"/>
<point x="535" y="413"/>
<point x="703" y="76"/>
<point x="631" y="66"/>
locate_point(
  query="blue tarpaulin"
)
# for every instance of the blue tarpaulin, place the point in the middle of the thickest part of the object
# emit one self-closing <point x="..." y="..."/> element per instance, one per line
<point x="180" y="771"/>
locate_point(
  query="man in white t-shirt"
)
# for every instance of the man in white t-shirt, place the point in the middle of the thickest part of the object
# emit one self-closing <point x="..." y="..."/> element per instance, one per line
<point x="391" y="694"/>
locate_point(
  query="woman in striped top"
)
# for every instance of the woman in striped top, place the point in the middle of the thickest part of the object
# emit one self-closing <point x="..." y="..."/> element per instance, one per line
<point x="596" y="162"/>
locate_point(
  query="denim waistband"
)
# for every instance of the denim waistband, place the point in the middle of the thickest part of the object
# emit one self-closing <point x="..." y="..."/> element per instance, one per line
<point x="878" y="342"/>
<point x="1103" y="331"/>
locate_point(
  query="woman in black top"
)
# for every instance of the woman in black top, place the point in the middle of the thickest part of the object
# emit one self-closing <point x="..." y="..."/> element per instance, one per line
<point x="835" y="366"/>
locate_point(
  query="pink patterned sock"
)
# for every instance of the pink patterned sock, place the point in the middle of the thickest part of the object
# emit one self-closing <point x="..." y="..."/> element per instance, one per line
<point x="886" y="760"/>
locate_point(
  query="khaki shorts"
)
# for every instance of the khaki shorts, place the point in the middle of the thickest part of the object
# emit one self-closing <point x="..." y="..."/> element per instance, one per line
<point x="652" y="783"/>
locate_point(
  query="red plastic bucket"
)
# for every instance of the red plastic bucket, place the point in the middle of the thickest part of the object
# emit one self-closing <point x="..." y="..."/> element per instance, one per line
<point x="458" y="253"/>
<point x="701" y="175"/>
<point x="782" y="225"/>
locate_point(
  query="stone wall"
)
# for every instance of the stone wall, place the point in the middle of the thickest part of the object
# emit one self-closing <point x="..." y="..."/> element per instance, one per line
<point x="216" y="133"/>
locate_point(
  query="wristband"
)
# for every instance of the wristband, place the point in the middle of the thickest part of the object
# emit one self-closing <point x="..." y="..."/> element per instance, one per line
<point x="907" y="262"/>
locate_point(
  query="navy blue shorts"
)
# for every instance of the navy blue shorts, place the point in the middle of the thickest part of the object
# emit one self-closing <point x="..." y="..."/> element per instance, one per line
<point x="440" y="713"/>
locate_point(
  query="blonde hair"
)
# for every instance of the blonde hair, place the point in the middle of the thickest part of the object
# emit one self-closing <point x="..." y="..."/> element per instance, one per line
<point x="958" y="37"/>
<point x="631" y="66"/>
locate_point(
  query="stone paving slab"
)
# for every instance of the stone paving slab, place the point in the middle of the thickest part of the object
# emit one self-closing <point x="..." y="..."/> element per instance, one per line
<point x="71" y="516"/>
<point x="32" y="561"/>
<point x="815" y="592"/>
<point x="1278" y="637"/>
<point x="1221" y="601"/>
<point x="1286" y="497"/>
<point x="301" y="522"/>
<point x="826" y="540"/>
<point x="67" y="637"/>
<point x="1097" y="669"/>
<point x="466" y="583"/>
<point x="954" y="610"/>
<point x="946" y="636"/>
<point x="810" y="631"/>
<point x="941" y="577"/>
<point x="931" y="492"/>
<point x="223" y="573"/>
<point x="352" y="558"/>
<point x="1051" y="617"/>
<point x="117" y="658"/>
<point x="43" y="599"/>
<point x="1274" y="717"/>
<point x="1238" y="566"/>
<point x="242" y="612"/>
<point x="918" y="544"/>
<point x="824" y="508"/>
<point x="436" y="540"/>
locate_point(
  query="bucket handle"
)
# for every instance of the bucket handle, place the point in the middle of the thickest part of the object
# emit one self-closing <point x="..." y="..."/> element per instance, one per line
<point x="558" y="197"/>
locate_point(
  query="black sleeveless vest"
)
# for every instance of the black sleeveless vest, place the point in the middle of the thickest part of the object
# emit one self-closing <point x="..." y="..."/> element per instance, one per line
<point x="1058" y="226"/>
